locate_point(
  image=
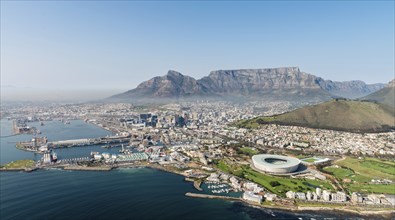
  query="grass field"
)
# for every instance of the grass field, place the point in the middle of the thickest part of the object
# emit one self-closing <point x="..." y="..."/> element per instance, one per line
<point x="278" y="185"/>
<point x="309" y="160"/>
<point x="362" y="171"/>
<point x="369" y="168"/>
<point x="285" y="183"/>
<point x="340" y="173"/>
<point x="248" y="151"/>
<point x="372" y="188"/>
<point x="19" y="164"/>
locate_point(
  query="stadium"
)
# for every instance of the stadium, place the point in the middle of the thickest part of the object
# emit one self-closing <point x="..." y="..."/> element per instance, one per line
<point x="276" y="164"/>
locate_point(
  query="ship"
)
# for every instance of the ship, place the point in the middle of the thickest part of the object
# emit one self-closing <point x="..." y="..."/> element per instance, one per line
<point x="54" y="156"/>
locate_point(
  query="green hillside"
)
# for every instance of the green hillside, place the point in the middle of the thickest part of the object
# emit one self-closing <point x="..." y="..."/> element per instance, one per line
<point x="385" y="95"/>
<point x="355" y="116"/>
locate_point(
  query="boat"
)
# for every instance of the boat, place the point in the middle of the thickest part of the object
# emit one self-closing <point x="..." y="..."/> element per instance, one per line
<point x="54" y="156"/>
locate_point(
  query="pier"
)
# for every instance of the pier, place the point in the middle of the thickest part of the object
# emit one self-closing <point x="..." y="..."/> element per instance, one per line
<point x="89" y="141"/>
<point x="206" y="196"/>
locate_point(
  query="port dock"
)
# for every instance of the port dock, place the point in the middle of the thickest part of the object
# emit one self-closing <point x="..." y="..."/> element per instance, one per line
<point x="88" y="141"/>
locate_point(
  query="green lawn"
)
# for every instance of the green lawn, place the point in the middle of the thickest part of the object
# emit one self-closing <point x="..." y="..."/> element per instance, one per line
<point x="362" y="171"/>
<point x="372" y="188"/>
<point x="248" y="151"/>
<point x="369" y="168"/>
<point x="285" y="183"/>
<point x="278" y="185"/>
<point x="19" y="164"/>
<point x="340" y="173"/>
<point x="309" y="160"/>
<point x="227" y="168"/>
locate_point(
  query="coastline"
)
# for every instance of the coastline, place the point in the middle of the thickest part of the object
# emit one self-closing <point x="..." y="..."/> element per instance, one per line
<point x="357" y="210"/>
<point x="381" y="213"/>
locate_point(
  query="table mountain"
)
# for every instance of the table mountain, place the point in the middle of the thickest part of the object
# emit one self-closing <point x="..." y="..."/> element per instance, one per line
<point x="271" y="83"/>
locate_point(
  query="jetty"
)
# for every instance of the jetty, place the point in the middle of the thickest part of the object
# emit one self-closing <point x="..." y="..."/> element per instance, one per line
<point x="206" y="196"/>
<point x="86" y="168"/>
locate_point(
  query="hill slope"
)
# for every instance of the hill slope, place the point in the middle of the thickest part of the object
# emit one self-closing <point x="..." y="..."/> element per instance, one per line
<point x="355" y="116"/>
<point x="385" y="95"/>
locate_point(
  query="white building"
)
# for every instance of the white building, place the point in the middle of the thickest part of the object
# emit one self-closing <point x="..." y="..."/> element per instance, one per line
<point x="326" y="195"/>
<point x="250" y="196"/>
<point x="300" y="195"/>
<point x="339" y="197"/>
<point x="315" y="197"/>
<point x="356" y="197"/>
<point x="309" y="196"/>
<point x="290" y="195"/>
<point x="318" y="191"/>
<point x="270" y="197"/>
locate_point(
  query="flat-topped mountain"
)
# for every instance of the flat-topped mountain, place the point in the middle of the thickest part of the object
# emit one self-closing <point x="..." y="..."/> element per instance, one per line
<point x="385" y="95"/>
<point x="345" y="115"/>
<point x="279" y="83"/>
<point x="258" y="80"/>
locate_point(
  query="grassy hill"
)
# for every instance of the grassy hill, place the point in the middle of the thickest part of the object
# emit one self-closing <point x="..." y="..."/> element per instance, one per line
<point x="345" y="115"/>
<point x="385" y="95"/>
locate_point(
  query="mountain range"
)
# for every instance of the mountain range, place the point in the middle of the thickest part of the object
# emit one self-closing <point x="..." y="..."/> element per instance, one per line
<point x="287" y="83"/>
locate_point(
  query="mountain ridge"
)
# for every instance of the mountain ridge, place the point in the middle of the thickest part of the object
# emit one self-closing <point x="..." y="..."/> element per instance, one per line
<point x="247" y="83"/>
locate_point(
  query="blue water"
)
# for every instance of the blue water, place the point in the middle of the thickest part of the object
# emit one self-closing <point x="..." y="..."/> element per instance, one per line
<point x="129" y="193"/>
<point x="53" y="130"/>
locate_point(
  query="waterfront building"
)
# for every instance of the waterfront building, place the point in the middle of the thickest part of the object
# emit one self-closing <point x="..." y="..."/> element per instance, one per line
<point x="356" y="197"/>
<point x="374" y="198"/>
<point x="270" y="197"/>
<point x="338" y="197"/>
<point x="106" y="155"/>
<point x="290" y="195"/>
<point x="315" y="197"/>
<point x="326" y="195"/>
<point x="318" y="191"/>
<point x="300" y="195"/>
<point x="309" y="195"/>
<point x="97" y="156"/>
<point x="249" y="186"/>
<point x="250" y="196"/>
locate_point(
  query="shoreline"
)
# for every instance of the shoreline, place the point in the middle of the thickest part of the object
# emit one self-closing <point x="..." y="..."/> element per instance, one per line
<point x="295" y="208"/>
<point x="381" y="213"/>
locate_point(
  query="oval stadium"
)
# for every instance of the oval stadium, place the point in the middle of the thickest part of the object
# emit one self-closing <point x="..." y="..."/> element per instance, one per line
<point x="275" y="163"/>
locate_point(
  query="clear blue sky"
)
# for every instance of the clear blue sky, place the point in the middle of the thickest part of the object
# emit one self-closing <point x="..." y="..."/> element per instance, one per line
<point x="116" y="45"/>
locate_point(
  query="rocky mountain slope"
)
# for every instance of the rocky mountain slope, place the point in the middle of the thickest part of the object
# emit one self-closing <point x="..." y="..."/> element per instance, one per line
<point x="284" y="83"/>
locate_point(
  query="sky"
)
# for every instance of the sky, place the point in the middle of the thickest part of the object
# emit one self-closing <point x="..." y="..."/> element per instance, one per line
<point x="50" y="48"/>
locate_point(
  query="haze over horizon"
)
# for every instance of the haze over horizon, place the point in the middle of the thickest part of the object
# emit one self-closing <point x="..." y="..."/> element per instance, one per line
<point x="91" y="50"/>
